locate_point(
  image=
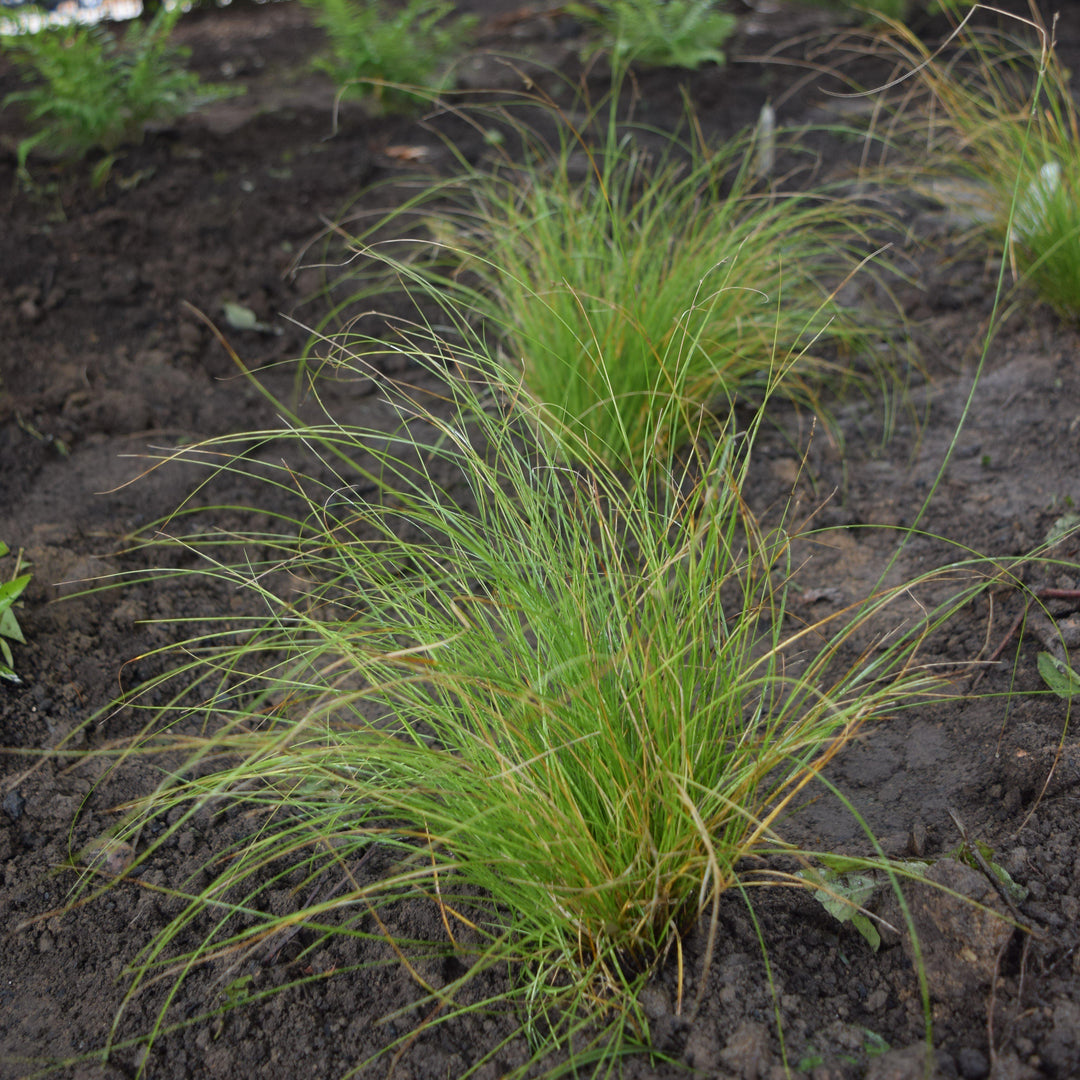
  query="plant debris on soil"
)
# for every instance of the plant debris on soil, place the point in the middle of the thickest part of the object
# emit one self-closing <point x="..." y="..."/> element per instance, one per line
<point x="105" y="361"/>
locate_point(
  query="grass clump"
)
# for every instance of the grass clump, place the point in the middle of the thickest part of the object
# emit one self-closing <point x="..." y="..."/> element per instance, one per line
<point x="93" y="92"/>
<point x="1005" y="115"/>
<point x="565" y="703"/>
<point x="635" y="282"/>
<point x="380" y="52"/>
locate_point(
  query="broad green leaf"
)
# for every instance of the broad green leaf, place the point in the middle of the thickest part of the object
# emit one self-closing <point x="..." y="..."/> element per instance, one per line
<point x="1017" y="892"/>
<point x="867" y="929"/>
<point x="9" y="627"/>
<point x="843" y="893"/>
<point x="11" y="590"/>
<point x="848" y="884"/>
<point x="1059" y="676"/>
<point x="15" y="586"/>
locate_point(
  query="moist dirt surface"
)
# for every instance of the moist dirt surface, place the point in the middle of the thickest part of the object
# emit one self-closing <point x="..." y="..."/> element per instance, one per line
<point x="105" y="359"/>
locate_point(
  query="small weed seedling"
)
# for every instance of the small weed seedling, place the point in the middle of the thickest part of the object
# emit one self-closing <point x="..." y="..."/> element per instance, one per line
<point x="92" y="92"/>
<point x="844" y="886"/>
<point x="10" y="591"/>
<point x="1058" y="676"/>
<point x="873" y="1045"/>
<point x="381" y="52"/>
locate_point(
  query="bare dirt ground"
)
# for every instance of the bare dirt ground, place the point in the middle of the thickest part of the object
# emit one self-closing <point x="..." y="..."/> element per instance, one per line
<point x="101" y="361"/>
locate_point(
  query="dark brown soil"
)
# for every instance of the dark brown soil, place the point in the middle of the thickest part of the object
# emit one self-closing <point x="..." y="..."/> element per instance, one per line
<point x="103" y="360"/>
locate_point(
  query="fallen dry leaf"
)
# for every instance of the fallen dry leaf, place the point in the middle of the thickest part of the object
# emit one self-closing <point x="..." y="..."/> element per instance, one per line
<point x="407" y="153"/>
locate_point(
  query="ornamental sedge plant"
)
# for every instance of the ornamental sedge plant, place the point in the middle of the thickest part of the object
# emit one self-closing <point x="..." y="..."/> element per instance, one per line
<point x="656" y="287"/>
<point x="560" y="704"/>
<point x="1005" y="115"/>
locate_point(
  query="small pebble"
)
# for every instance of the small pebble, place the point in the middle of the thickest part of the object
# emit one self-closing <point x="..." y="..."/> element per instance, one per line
<point x="972" y="1064"/>
<point x="1016" y="863"/>
<point x="702" y="1049"/>
<point x="654" y="1002"/>
<point x="13" y="805"/>
<point x="746" y="1053"/>
<point x="112" y="856"/>
<point x="903" y="1063"/>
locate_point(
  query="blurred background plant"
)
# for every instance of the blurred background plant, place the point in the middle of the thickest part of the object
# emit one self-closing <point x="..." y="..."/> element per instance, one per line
<point x="1004" y="116"/>
<point x="10" y="591"/>
<point x="897" y="10"/>
<point x="91" y="91"/>
<point x="689" y="33"/>
<point x="378" y="51"/>
<point x="677" y="33"/>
